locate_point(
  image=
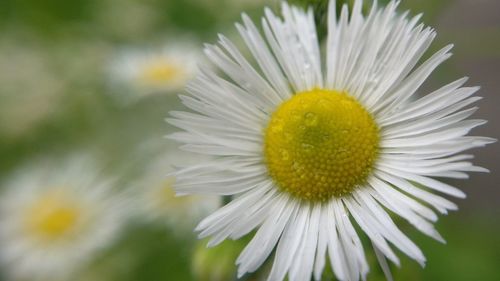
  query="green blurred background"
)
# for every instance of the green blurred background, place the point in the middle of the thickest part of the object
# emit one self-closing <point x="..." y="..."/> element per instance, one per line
<point x="55" y="98"/>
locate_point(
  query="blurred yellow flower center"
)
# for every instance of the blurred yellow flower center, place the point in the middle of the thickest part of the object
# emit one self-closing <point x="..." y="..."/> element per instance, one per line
<point x="52" y="217"/>
<point x="320" y="144"/>
<point x="165" y="197"/>
<point x="161" y="71"/>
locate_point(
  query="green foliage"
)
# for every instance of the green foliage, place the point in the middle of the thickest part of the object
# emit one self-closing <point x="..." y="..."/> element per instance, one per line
<point x="217" y="263"/>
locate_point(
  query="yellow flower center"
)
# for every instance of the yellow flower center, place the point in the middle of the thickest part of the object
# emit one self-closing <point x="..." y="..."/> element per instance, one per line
<point x="52" y="217"/>
<point x="161" y="71"/>
<point x="165" y="197"/>
<point x="320" y="144"/>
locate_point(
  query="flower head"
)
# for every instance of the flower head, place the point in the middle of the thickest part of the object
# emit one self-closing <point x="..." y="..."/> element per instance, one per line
<point x="311" y="144"/>
<point x="53" y="221"/>
<point x="156" y="198"/>
<point x="144" y="72"/>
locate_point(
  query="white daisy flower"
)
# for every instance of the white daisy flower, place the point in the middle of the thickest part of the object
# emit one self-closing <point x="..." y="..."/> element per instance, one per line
<point x="52" y="221"/>
<point x="157" y="201"/>
<point x="309" y="145"/>
<point x="141" y="72"/>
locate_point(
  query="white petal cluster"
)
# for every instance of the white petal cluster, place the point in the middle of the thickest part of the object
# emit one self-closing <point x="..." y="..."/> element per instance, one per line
<point x="136" y="72"/>
<point x="377" y="60"/>
<point x="98" y="216"/>
<point x="156" y="200"/>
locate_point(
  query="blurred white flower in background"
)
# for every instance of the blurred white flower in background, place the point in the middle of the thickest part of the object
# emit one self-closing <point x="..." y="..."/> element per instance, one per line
<point x="55" y="219"/>
<point x="157" y="201"/>
<point x="136" y="73"/>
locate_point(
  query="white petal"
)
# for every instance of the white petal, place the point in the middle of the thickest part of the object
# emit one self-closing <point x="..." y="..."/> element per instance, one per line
<point x="372" y="229"/>
<point x="230" y="212"/>
<point x="335" y="250"/>
<point x="302" y="267"/>
<point x="264" y="241"/>
<point x="323" y="237"/>
<point x="441" y="204"/>
<point x="408" y="86"/>
<point x="383" y="264"/>
<point x="264" y="57"/>
<point x="288" y="244"/>
<point x="295" y="45"/>
<point x="356" y="264"/>
<point x="391" y="232"/>
<point x="406" y="207"/>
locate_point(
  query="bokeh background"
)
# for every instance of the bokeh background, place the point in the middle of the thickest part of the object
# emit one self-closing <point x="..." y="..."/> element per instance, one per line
<point x="58" y="95"/>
